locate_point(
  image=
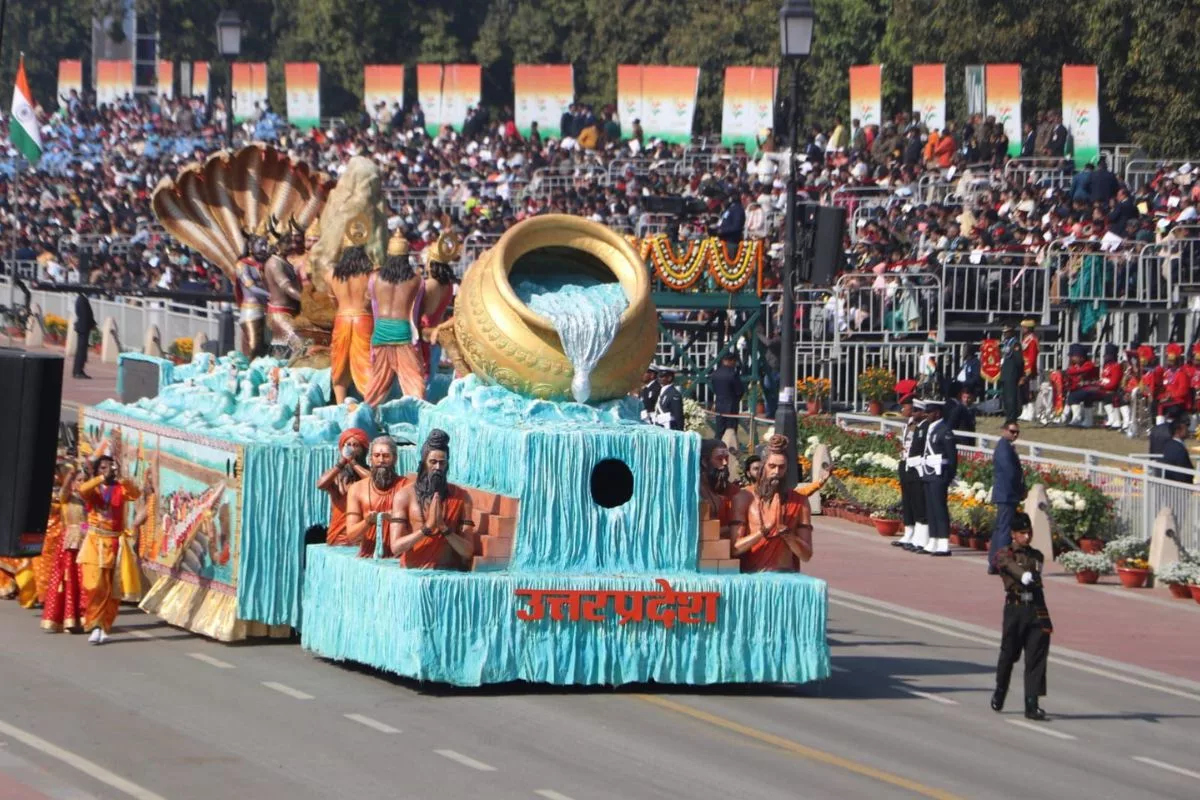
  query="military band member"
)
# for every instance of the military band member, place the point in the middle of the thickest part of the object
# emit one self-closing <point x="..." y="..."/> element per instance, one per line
<point x="914" y="457"/>
<point x="912" y="494"/>
<point x="1027" y="626"/>
<point x="938" y="468"/>
<point x="1029" y="355"/>
<point x="1176" y="395"/>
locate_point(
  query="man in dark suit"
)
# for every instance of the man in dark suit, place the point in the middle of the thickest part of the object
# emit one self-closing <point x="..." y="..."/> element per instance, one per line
<point x="1160" y="435"/>
<point x="1175" y="453"/>
<point x="733" y="221"/>
<point x="649" y="393"/>
<point x="1008" y="489"/>
<point x="1012" y="369"/>
<point x="668" y="409"/>
<point x="85" y="323"/>
<point x="728" y="391"/>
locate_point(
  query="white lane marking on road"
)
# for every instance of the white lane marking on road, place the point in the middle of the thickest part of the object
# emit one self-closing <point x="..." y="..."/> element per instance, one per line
<point x="1168" y="767"/>
<point x="89" y="768"/>
<point x="550" y="794"/>
<point x="839" y="669"/>
<point x="142" y="634"/>
<point x="1104" y="673"/>
<point x="466" y="761"/>
<point x="289" y="691"/>
<point x="212" y="662"/>
<point x="946" y="701"/>
<point x="382" y="727"/>
<point x="1040" y="729"/>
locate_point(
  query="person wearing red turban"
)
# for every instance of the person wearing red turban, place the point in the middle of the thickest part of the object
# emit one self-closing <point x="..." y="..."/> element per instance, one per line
<point x="337" y="480"/>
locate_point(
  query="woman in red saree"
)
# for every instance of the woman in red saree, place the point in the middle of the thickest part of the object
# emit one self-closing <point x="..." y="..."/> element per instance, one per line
<point x="64" y="599"/>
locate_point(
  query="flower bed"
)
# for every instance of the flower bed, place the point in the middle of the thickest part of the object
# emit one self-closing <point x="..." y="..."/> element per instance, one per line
<point x="55" y="327"/>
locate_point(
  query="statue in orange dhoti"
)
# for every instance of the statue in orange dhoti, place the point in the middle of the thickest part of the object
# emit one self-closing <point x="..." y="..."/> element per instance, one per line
<point x="106" y="496"/>
<point x="369" y="499"/>
<point x="440" y="278"/>
<point x="778" y="524"/>
<point x="432" y="526"/>
<point x="395" y="291"/>
<point x="350" y="350"/>
<point x="338" y="480"/>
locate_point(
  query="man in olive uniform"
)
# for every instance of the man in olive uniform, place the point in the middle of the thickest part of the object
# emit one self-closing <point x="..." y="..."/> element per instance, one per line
<point x="1027" y="624"/>
<point x="914" y="459"/>
<point x="940" y="465"/>
<point x="912" y="495"/>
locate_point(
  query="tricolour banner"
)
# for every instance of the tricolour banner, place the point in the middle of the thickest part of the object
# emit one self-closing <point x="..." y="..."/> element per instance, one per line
<point x="70" y="77"/>
<point x="543" y="93"/>
<point x="200" y="79"/>
<point x="166" y="79"/>
<point x="1003" y="85"/>
<point x="446" y="92"/>
<point x="749" y="106"/>
<point x="663" y="98"/>
<point x="866" y="94"/>
<point x="249" y="87"/>
<point x="929" y="94"/>
<point x="114" y="80"/>
<point x="1081" y="110"/>
<point x="303" y="84"/>
<point x="382" y="83"/>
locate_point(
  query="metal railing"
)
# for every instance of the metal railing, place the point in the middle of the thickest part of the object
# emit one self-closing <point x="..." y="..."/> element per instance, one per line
<point x="1045" y="173"/>
<point x="999" y="285"/>
<point x="892" y="305"/>
<point x="1083" y="273"/>
<point x="1141" y="171"/>
<point x="1174" y="263"/>
<point x="1137" y="492"/>
<point x="843" y="363"/>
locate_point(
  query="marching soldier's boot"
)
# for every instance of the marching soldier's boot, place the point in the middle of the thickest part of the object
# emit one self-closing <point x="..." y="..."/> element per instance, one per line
<point x="920" y="538"/>
<point x="1027" y="412"/>
<point x="1033" y="711"/>
<point x="908" y="536"/>
<point x="1126" y="417"/>
<point x="998" y="700"/>
<point x="941" y="547"/>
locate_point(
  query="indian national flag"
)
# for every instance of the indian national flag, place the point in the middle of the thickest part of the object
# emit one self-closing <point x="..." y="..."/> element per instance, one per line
<point x="23" y="132"/>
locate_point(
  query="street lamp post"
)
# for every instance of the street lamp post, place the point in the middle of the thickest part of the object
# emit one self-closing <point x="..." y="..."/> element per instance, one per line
<point x="229" y="42"/>
<point x="795" y="40"/>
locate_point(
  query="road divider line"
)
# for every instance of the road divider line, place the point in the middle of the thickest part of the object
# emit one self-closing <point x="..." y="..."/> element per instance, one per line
<point x="141" y="634"/>
<point x="550" y="794"/>
<point x="860" y="605"/>
<point x="382" y="727"/>
<point x="946" y="701"/>
<point x="289" y="691"/>
<point x="212" y="662"/>
<point x="797" y="749"/>
<point x="1168" y="767"/>
<point x="839" y="669"/>
<point x="89" y="768"/>
<point x="1042" y="729"/>
<point x="466" y="761"/>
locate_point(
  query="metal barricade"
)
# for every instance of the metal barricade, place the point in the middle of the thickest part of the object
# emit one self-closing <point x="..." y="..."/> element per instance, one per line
<point x="843" y="363"/>
<point x="897" y="305"/>
<point x="1141" y="171"/>
<point x="1080" y="272"/>
<point x="1175" y="263"/>
<point x="1046" y="173"/>
<point x="996" y="285"/>
<point x="651" y="224"/>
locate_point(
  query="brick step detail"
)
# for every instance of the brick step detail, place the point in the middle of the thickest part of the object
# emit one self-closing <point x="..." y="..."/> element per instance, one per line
<point x="710" y="530"/>
<point x="482" y="564"/>
<point x="720" y="549"/>
<point x="723" y="566"/>
<point x="494" y="547"/>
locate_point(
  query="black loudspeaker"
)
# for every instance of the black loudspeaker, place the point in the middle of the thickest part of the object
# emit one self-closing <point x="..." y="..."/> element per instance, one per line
<point x="138" y="379"/>
<point x="826" y="257"/>
<point x="30" y="404"/>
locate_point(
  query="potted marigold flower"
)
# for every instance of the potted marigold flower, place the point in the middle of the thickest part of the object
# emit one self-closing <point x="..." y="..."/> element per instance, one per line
<point x="882" y="497"/>
<point x="181" y="350"/>
<point x="1129" y="553"/>
<point x="814" y="391"/>
<point x="1179" y="576"/>
<point x="1088" y="567"/>
<point x="876" y="384"/>
<point x="56" y="328"/>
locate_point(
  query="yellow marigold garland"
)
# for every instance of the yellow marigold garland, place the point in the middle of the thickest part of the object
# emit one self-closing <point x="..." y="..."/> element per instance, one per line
<point x="732" y="273"/>
<point x="677" y="273"/>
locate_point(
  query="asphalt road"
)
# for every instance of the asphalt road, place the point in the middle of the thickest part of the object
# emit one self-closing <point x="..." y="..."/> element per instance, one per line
<point x="159" y="713"/>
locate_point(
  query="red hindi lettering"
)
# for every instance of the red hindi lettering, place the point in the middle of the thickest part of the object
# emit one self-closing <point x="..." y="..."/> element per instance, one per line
<point x="536" y="608"/>
<point x="569" y="600"/>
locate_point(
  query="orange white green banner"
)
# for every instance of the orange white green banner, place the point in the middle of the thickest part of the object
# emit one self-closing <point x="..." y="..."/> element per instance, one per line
<point x="249" y="88"/>
<point x="165" y="86"/>
<point x="662" y="98"/>
<point x="302" y="82"/>
<point x="1002" y="82"/>
<point x="929" y="94"/>
<point x="1081" y="110"/>
<point x="749" y="107"/>
<point x="383" y="83"/>
<point x="200" y="79"/>
<point x="114" y="80"/>
<point x="446" y="92"/>
<point x="70" y="77"/>
<point x="866" y="94"/>
<point x="543" y="93"/>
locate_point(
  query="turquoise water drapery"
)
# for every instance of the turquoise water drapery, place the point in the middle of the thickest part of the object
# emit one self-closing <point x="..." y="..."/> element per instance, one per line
<point x="462" y="628"/>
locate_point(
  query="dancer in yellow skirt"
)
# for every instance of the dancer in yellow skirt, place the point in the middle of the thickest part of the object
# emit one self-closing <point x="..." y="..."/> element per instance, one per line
<point x="105" y="495"/>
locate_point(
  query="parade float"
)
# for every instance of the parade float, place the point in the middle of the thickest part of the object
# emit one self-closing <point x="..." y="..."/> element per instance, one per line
<point x="596" y="561"/>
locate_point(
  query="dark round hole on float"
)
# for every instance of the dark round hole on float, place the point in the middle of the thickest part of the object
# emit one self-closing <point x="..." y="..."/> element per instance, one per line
<point x="612" y="483"/>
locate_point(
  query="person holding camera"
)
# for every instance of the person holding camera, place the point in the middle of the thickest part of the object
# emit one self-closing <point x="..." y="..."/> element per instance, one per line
<point x="1027" y="626"/>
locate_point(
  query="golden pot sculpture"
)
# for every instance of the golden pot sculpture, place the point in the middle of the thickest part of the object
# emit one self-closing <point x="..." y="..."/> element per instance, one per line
<point x="497" y="337"/>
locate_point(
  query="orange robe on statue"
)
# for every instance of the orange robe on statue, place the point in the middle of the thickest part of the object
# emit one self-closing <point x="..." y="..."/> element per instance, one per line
<point x="350" y="349"/>
<point x="772" y="554"/>
<point x="98" y="557"/>
<point x="435" y="552"/>
<point x="382" y="502"/>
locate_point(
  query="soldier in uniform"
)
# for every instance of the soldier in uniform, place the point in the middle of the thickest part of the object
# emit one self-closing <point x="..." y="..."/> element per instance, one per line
<point x="668" y="408"/>
<point x="939" y="466"/>
<point x="912" y="494"/>
<point x="1027" y="626"/>
<point x="914" y="461"/>
<point x="649" y="393"/>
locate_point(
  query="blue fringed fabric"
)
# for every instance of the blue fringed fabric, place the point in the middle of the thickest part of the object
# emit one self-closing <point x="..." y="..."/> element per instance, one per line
<point x="462" y="628"/>
<point x="280" y="502"/>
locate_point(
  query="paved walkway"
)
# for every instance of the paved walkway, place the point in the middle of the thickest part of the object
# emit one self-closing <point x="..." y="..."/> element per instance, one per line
<point x="1144" y="627"/>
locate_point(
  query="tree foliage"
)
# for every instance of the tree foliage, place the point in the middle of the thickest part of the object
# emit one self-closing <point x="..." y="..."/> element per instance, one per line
<point x="1146" y="51"/>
